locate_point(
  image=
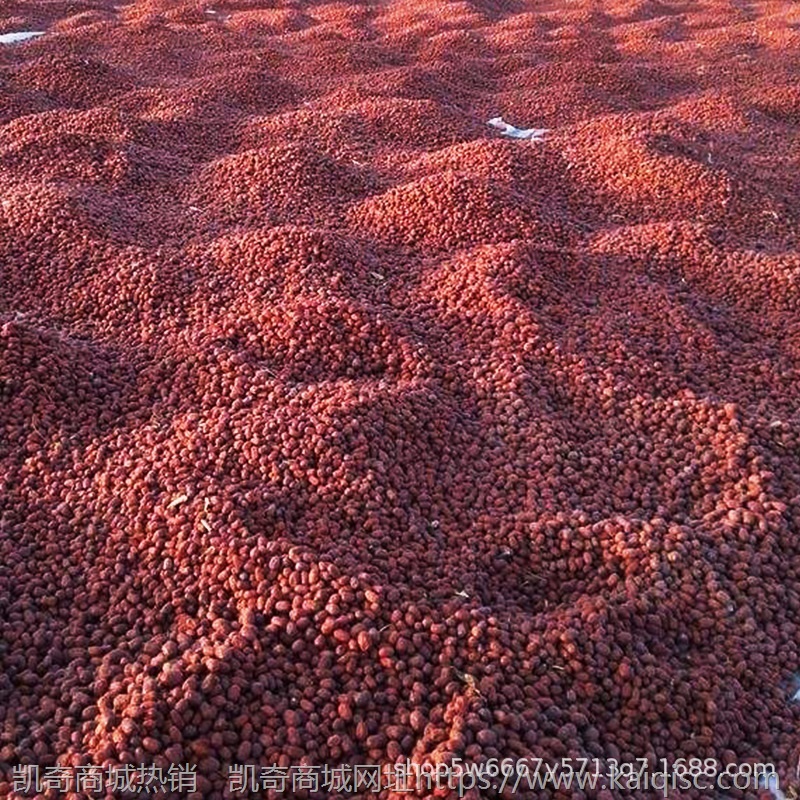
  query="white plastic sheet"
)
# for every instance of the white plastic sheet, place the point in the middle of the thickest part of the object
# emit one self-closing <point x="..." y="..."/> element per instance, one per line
<point x="534" y="134"/>
<point x="19" y="36"/>
<point x="771" y="783"/>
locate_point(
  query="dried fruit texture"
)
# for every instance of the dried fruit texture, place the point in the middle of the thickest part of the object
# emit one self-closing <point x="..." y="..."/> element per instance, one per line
<point x="337" y="427"/>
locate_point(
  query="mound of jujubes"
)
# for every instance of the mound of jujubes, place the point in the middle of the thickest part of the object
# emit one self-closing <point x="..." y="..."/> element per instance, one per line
<point x="337" y="428"/>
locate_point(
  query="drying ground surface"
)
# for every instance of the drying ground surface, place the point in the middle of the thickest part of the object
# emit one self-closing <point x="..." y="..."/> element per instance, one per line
<point x="336" y="427"/>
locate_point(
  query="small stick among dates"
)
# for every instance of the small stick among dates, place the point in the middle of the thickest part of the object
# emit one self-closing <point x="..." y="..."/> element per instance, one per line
<point x="339" y="426"/>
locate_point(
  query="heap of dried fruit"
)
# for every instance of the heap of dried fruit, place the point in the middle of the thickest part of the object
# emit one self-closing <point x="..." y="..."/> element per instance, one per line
<point x="336" y="428"/>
